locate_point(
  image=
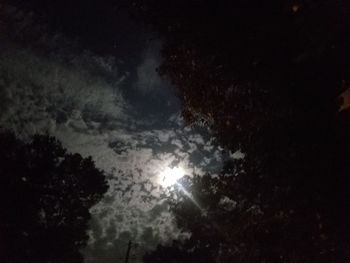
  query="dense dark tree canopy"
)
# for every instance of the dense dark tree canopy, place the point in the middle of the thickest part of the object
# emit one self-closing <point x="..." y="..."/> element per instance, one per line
<point x="234" y="218"/>
<point x="266" y="77"/>
<point x="45" y="196"/>
<point x="243" y="64"/>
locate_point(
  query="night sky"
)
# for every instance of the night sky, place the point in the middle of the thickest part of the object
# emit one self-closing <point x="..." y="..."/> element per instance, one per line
<point x="194" y="131"/>
<point x="86" y="74"/>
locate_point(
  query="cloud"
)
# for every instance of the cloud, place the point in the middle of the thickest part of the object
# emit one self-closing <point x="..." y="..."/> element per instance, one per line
<point x="41" y="93"/>
<point x="80" y="98"/>
<point x="237" y="155"/>
<point x="147" y="77"/>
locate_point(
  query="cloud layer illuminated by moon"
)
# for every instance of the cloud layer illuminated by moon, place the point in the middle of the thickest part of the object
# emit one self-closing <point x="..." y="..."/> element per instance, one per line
<point x="81" y="98"/>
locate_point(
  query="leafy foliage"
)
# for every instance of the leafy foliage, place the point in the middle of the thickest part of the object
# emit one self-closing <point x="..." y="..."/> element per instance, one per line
<point x="246" y="65"/>
<point x="265" y="76"/>
<point x="46" y="194"/>
<point x="231" y="218"/>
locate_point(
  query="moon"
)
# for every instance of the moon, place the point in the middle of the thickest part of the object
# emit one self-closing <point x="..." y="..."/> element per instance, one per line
<point x="170" y="176"/>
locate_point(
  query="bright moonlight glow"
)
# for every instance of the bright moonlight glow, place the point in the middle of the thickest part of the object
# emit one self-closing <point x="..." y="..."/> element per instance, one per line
<point x="170" y="176"/>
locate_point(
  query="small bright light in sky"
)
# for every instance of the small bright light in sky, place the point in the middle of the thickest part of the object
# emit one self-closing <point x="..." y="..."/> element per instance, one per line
<point x="170" y="176"/>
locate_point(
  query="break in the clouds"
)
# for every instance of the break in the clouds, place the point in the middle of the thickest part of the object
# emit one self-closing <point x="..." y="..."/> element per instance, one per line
<point x="96" y="108"/>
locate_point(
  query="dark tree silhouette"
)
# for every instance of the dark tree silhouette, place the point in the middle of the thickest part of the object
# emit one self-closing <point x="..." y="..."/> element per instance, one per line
<point x="45" y="196"/>
<point x="244" y="65"/>
<point x="237" y="217"/>
<point x="266" y="77"/>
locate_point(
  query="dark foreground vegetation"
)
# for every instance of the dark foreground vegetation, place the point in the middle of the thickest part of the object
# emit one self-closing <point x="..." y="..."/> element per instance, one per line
<point x="267" y="77"/>
<point x="46" y="194"/>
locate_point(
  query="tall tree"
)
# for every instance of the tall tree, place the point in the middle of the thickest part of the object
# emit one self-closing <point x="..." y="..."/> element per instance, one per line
<point x="45" y="197"/>
<point x="232" y="218"/>
<point x="266" y="77"/>
<point x="243" y="65"/>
